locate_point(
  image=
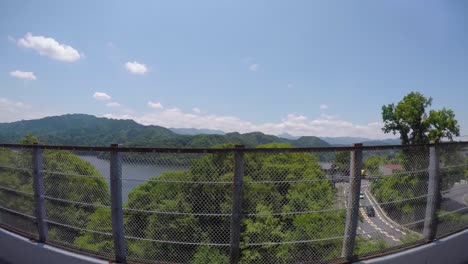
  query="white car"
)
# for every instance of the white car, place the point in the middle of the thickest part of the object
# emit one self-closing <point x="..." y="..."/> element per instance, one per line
<point x="361" y="195"/>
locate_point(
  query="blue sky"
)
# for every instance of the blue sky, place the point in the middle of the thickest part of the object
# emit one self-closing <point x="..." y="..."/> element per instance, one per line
<point x="322" y="68"/>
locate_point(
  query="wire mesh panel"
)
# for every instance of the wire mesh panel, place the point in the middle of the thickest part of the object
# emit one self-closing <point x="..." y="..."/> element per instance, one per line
<point x="16" y="190"/>
<point x="177" y="206"/>
<point x="294" y="208"/>
<point x="393" y="200"/>
<point x="77" y="200"/>
<point x="453" y="211"/>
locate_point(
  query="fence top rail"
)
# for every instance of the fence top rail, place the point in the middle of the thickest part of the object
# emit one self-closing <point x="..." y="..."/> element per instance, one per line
<point x="228" y="150"/>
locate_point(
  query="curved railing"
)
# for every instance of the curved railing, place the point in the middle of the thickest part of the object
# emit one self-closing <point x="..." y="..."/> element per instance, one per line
<point x="234" y="204"/>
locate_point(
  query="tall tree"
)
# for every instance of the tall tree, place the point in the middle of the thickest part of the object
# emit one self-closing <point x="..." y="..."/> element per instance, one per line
<point x="414" y="124"/>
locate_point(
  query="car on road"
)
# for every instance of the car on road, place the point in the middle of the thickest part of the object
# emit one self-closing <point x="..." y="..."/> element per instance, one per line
<point x="370" y="211"/>
<point x="361" y="195"/>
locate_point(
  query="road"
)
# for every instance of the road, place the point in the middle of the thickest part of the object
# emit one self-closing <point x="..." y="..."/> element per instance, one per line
<point x="380" y="227"/>
<point x="456" y="197"/>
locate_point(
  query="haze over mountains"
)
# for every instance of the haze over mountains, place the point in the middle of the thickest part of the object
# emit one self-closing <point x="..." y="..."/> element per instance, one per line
<point x="196" y="131"/>
<point x="88" y="130"/>
<point x="346" y="141"/>
<point x="336" y="141"/>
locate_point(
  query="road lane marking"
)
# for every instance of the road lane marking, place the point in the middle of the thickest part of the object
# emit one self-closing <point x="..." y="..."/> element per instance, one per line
<point x="380" y="217"/>
<point x="370" y="222"/>
<point x="387" y="223"/>
<point x="364" y="232"/>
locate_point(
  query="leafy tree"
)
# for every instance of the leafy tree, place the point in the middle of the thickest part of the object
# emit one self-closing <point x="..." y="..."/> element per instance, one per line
<point x="372" y="164"/>
<point x="264" y="228"/>
<point x="65" y="190"/>
<point x="416" y="125"/>
<point x="392" y="189"/>
<point x="100" y="221"/>
<point x="16" y="179"/>
<point x="206" y="254"/>
<point x="180" y="209"/>
<point x="89" y="188"/>
<point x="341" y="163"/>
<point x="410" y="119"/>
<point x="289" y="183"/>
<point x="178" y="206"/>
<point x="29" y="139"/>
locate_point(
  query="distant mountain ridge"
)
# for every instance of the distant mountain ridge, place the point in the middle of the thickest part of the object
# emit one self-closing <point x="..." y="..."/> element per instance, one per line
<point x="376" y="142"/>
<point x="196" y="131"/>
<point x="88" y="130"/>
<point x="346" y="141"/>
<point x="288" y="136"/>
<point x="335" y="141"/>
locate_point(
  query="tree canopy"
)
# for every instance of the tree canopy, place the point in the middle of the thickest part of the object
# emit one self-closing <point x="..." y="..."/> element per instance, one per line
<point x="416" y="124"/>
<point x="276" y="188"/>
<point x="411" y="119"/>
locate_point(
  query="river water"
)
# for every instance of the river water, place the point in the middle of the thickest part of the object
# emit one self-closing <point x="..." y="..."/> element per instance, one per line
<point x="132" y="174"/>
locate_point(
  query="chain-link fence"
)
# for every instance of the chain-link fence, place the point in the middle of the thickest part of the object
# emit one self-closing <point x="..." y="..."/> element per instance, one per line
<point x="234" y="205"/>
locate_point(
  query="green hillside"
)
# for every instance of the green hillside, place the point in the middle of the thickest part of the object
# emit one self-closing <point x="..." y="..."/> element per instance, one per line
<point x="88" y="130"/>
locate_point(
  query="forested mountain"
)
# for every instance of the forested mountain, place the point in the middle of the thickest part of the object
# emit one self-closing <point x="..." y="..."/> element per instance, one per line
<point x="79" y="129"/>
<point x="88" y="130"/>
<point x="289" y="136"/>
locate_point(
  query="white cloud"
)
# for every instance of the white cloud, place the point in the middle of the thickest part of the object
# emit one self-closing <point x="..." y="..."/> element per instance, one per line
<point x="113" y="104"/>
<point x="196" y="110"/>
<point x="23" y="75"/>
<point x="11" y="110"/>
<point x="323" y="107"/>
<point x="136" y="68"/>
<point x="101" y="96"/>
<point x="128" y="111"/>
<point x="294" y="124"/>
<point x="4" y="102"/>
<point x="49" y="47"/>
<point x="156" y="105"/>
<point x="253" y="67"/>
<point x="125" y="116"/>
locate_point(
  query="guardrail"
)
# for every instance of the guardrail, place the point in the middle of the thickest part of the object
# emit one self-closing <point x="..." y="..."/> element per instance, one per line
<point x="234" y="204"/>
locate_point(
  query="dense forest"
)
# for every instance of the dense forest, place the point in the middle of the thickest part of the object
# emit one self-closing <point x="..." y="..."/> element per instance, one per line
<point x="287" y="198"/>
<point x="290" y="207"/>
<point x="189" y="204"/>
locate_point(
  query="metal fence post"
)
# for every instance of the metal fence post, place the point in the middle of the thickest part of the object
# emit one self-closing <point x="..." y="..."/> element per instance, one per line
<point x="116" y="205"/>
<point x="38" y="186"/>
<point x="352" y="212"/>
<point x="237" y="204"/>
<point x="433" y="195"/>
